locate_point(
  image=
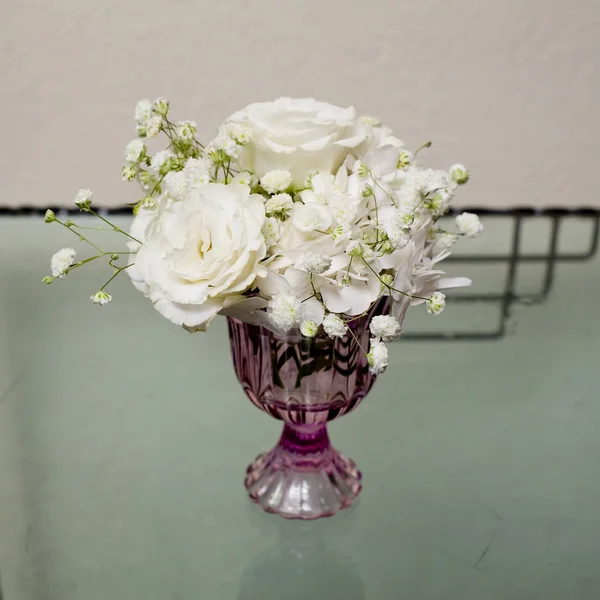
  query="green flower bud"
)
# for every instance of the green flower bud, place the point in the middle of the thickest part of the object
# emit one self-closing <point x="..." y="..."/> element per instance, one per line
<point x="459" y="173"/>
<point x="48" y="280"/>
<point x="387" y="247"/>
<point x="161" y="107"/>
<point x="49" y="217"/>
<point x="368" y="191"/>
<point x="387" y="279"/>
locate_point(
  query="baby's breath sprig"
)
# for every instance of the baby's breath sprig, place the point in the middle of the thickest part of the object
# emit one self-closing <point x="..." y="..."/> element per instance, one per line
<point x="63" y="262"/>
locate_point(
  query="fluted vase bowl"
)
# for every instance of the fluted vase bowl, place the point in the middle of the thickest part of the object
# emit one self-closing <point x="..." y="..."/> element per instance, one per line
<point x="305" y="383"/>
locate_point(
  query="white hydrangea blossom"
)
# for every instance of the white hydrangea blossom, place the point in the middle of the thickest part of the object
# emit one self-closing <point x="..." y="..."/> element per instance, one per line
<point x="309" y="329"/>
<point x="159" y="159"/>
<point x="134" y="151"/>
<point x="279" y="205"/>
<point x="436" y="303"/>
<point x="101" y="298"/>
<point x="277" y="180"/>
<point x="61" y="261"/>
<point x="377" y="357"/>
<point x="334" y="326"/>
<point x="143" y="110"/>
<point x="285" y="311"/>
<point x="314" y="263"/>
<point x="154" y="125"/>
<point x="469" y="224"/>
<point x="271" y="231"/>
<point x="385" y="327"/>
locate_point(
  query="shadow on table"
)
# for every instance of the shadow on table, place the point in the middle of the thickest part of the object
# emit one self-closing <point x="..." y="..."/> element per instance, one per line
<point x="303" y="563"/>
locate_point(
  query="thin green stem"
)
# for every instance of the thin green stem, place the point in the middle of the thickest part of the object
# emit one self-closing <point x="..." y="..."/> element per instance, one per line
<point x="383" y="189"/>
<point x="425" y="145"/>
<point x="115" y="227"/>
<point x="356" y="340"/>
<point x="117" y="271"/>
<point x="393" y="289"/>
<point x="90" y="228"/>
<point x="81" y="237"/>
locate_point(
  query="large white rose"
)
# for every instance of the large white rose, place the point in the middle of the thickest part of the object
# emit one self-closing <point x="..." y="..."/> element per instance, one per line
<point x="202" y="253"/>
<point x="298" y="135"/>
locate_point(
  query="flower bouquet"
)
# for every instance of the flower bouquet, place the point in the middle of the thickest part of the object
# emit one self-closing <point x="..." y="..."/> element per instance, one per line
<point x="312" y="230"/>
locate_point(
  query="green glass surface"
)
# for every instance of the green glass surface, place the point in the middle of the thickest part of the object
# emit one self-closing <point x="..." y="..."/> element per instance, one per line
<point x="124" y="440"/>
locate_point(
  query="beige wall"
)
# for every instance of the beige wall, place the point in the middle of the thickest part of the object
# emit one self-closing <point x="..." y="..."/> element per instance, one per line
<point x="509" y="87"/>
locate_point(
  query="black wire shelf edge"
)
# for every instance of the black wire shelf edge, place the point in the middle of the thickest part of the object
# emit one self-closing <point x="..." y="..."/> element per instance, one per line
<point x="525" y="211"/>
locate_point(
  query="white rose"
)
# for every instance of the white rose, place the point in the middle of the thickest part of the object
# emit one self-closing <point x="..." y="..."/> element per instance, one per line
<point x="203" y="253"/>
<point x="298" y="135"/>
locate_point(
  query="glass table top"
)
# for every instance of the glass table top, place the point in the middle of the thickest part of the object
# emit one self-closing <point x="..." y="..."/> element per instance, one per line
<point x="124" y="440"/>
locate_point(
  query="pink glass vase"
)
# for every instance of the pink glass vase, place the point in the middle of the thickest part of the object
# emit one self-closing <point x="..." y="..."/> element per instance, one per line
<point x="306" y="383"/>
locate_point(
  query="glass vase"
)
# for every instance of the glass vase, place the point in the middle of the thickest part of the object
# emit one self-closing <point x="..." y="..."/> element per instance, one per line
<point x="305" y="383"/>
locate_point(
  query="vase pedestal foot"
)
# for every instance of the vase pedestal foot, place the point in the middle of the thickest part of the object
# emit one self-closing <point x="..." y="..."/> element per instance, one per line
<point x="303" y="477"/>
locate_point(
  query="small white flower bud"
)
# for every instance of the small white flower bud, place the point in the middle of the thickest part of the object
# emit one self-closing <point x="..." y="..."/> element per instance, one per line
<point x="186" y="130"/>
<point x="385" y="327"/>
<point x="277" y="180"/>
<point x="154" y="126"/>
<point x="143" y="110"/>
<point x="334" y="326"/>
<point x="83" y="199"/>
<point x="309" y="328"/>
<point x="377" y="357"/>
<point x="61" y="261"/>
<point x="436" y="303"/>
<point x="469" y="224"/>
<point x="279" y="205"/>
<point x="101" y="298"/>
<point x="459" y="173"/>
<point x="135" y="151"/>
<point x="161" y="106"/>
<point x="128" y="173"/>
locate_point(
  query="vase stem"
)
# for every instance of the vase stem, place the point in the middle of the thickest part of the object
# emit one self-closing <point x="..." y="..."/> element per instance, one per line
<point x="303" y="477"/>
<point x="304" y="440"/>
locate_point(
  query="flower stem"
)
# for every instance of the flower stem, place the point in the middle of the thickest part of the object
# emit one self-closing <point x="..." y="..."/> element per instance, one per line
<point x="393" y="289"/>
<point x="115" y="227"/>
<point x="383" y="189"/>
<point x="81" y="237"/>
<point x="117" y="271"/>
